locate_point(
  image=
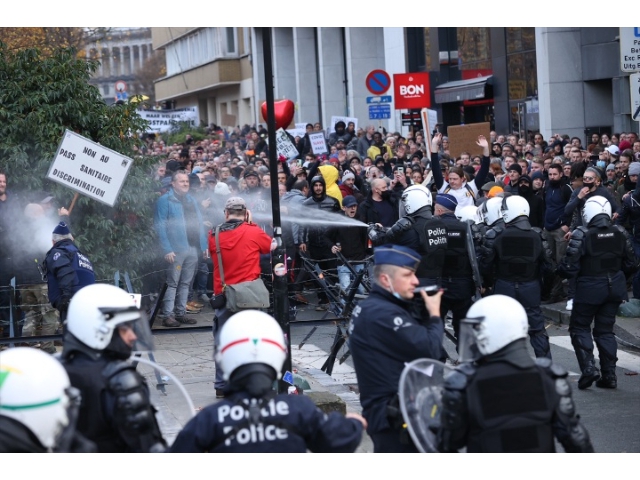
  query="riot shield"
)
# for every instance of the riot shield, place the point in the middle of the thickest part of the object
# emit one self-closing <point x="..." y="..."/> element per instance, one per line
<point x="420" y="393"/>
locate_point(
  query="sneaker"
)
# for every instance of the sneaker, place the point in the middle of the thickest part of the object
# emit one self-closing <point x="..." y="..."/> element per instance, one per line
<point x="192" y="310"/>
<point x="569" y="305"/>
<point x="204" y="298"/>
<point x="185" y="320"/>
<point x="322" y="307"/>
<point x="195" y="304"/>
<point x="170" y="322"/>
<point x="219" y="393"/>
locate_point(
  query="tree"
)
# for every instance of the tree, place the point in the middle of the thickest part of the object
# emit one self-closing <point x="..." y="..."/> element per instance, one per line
<point x="41" y="96"/>
<point x="153" y="68"/>
<point x="48" y="39"/>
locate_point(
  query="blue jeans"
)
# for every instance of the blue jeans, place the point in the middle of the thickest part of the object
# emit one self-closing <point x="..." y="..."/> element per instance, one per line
<point x="222" y="315"/>
<point x="200" y="279"/>
<point x="346" y="277"/>
<point x="179" y="276"/>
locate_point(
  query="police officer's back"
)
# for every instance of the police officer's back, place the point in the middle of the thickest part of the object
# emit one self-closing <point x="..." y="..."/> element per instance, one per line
<point x="252" y="418"/>
<point x="599" y="254"/>
<point x="500" y="399"/>
<point x="386" y="331"/>
<point x="67" y="269"/>
<point x="103" y="327"/>
<point x="520" y="257"/>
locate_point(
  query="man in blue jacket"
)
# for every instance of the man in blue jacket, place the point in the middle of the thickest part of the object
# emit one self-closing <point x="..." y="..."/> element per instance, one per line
<point x="178" y="222"/>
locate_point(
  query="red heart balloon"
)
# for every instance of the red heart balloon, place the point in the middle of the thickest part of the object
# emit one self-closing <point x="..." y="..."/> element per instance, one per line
<point x="283" y="112"/>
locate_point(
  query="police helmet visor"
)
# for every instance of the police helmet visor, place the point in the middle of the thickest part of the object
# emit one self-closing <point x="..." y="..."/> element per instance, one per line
<point x="132" y="324"/>
<point x="468" y="341"/>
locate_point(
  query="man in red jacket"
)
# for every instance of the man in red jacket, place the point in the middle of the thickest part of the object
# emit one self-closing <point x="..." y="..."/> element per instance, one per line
<point x="241" y="244"/>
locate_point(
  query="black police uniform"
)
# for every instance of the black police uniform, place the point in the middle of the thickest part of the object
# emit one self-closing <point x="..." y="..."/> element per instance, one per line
<point x="457" y="274"/>
<point x="520" y="256"/>
<point x="599" y="255"/>
<point x="385" y="333"/>
<point x="116" y="412"/>
<point x="273" y="424"/>
<point x="16" y="438"/>
<point x="509" y="402"/>
<point x="67" y="270"/>
<point x="425" y="234"/>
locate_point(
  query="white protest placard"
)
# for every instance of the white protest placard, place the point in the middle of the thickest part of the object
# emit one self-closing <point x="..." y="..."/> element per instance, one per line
<point x="284" y="146"/>
<point x="429" y="120"/>
<point x="163" y="120"/>
<point x="318" y="143"/>
<point x="89" y="168"/>
<point x="335" y="119"/>
<point x="630" y="49"/>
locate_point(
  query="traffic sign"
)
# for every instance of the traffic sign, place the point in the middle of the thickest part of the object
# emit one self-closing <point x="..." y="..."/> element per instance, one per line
<point x="380" y="111"/>
<point x="634" y="81"/>
<point x="380" y="99"/>
<point x="630" y="49"/>
<point x="378" y="82"/>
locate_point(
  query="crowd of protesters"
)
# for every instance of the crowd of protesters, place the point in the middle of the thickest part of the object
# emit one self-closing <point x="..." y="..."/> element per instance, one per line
<point x="371" y="168"/>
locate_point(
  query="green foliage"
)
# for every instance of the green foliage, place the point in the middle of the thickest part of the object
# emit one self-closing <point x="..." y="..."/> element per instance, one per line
<point x="178" y="133"/>
<point x="42" y="96"/>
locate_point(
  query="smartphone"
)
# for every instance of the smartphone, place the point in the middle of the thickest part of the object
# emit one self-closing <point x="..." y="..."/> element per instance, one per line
<point x="431" y="289"/>
<point x="401" y="170"/>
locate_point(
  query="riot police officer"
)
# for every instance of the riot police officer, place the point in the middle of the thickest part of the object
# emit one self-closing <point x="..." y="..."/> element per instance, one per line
<point x="67" y="270"/>
<point x="419" y="230"/>
<point x="600" y="254"/>
<point x="103" y="327"/>
<point x="500" y="399"/>
<point x="457" y="273"/>
<point x="520" y="256"/>
<point x="491" y="216"/>
<point x="38" y="405"/>
<point x="385" y="332"/>
<point x="252" y="418"/>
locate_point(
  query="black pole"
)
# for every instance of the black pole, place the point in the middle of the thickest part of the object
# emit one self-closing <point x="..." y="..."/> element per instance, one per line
<point x="280" y="298"/>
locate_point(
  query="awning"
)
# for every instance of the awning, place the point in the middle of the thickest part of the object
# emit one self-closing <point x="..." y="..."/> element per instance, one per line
<point x="471" y="89"/>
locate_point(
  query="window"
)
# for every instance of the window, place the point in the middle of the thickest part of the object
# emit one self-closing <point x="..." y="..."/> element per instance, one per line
<point x="200" y="47"/>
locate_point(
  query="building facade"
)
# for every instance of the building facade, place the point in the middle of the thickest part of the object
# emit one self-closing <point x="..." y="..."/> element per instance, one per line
<point x="122" y="53"/>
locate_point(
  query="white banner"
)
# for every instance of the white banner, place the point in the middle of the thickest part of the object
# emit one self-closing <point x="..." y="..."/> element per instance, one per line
<point x="163" y="120"/>
<point x="318" y="143"/>
<point x="89" y="168"/>
<point x="346" y="120"/>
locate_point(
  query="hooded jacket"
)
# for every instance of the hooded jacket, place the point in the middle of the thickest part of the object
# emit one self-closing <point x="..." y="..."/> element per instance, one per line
<point x="330" y="175"/>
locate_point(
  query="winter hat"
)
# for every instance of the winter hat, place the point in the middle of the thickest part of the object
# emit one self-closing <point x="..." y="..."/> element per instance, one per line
<point x="447" y="201"/>
<point x="221" y="189"/>
<point x="611" y="166"/>
<point x="537" y="175"/>
<point x="634" y="168"/>
<point x="61" y="229"/>
<point x="515" y="167"/>
<point x="347" y="175"/>
<point x="624" y="145"/>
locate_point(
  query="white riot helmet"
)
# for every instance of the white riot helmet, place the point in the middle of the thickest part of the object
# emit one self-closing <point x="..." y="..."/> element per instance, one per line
<point x="514" y="206"/>
<point x="594" y="206"/>
<point x="96" y="311"/>
<point x="35" y="391"/>
<point x="492" y="211"/>
<point x="414" y="198"/>
<point x="251" y="336"/>
<point x="468" y="212"/>
<point x="492" y="323"/>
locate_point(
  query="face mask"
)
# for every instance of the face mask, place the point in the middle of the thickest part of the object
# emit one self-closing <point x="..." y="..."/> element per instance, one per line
<point x="600" y="163"/>
<point x="393" y="292"/>
<point x="386" y="195"/>
<point x="588" y="185"/>
<point x="524" y="189"/>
